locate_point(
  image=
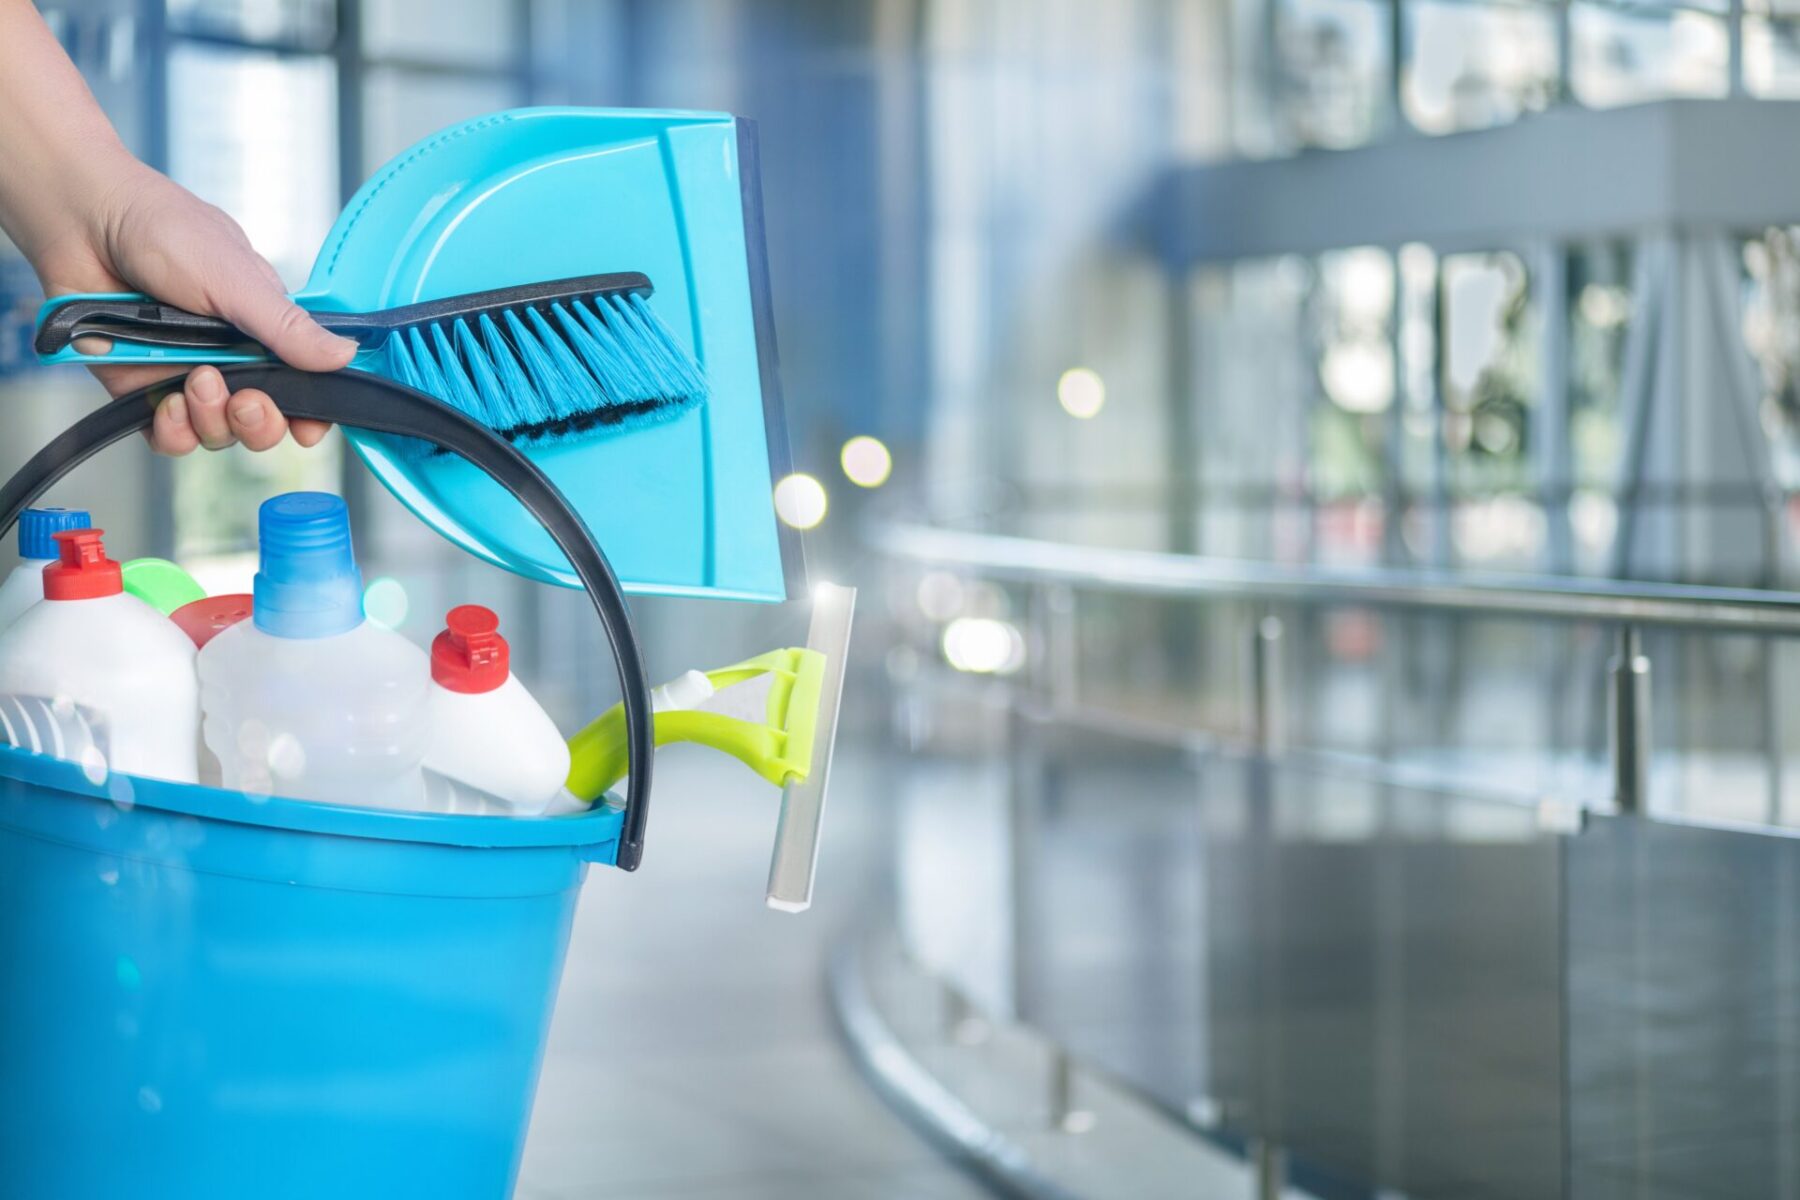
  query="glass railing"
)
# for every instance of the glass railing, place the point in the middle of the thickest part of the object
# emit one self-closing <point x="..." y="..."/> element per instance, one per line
<point x="1391" y="881"/>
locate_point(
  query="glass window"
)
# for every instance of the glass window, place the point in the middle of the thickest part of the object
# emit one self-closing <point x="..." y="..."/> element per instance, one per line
<point x="1600" y="312"/>
<point x="1352" y="328"/>
<point x="256" y="134"/>
<point x="1487" y="374"/>
<point x="1772" y="333"/>
<point x="310" y="23"/>
<point x="464" y="32"/>
<point x="1627" y="56"/>
<point x="1254" y="117"/>
<point x="1772" y="52"/>
<point x="1332" y="70"/>
<point x="1254" y="385"/>
<point x="1418" y="341"/>
<point x="1473" y="66"/>
<point x="1487" y="368"/>
<point x="401" y="106"/>
<point x="1601" y="306"/>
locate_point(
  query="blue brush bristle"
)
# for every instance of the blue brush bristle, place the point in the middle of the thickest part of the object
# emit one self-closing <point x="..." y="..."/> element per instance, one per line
<point x="591" y="367"/>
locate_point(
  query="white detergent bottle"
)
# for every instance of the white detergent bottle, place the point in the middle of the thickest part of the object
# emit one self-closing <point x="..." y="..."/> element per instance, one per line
<point x="307" y="699"/>
<point x="92" y="645"/>
<point x="38" y="528"/>
<point x="487" y="733"/>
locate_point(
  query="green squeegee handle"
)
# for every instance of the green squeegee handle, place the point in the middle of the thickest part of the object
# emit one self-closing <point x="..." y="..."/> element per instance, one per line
<point x="365" y="401"/>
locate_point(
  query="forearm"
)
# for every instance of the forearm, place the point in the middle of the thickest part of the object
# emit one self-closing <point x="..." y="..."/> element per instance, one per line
<point x="59" y="155"/>
<point x="91" y="218"/>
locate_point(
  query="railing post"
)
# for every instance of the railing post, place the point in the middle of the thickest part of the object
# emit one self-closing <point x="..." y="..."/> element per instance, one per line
<point x="1265" y="685"/>
<point x="1051" y="643"/>
<point x="1052" y="628"/>
<point x="1628" y="725"/>
<point x="960" y="1024"/>
<point x="1269" y="1163"/>
<point x="1065" y="1116"/>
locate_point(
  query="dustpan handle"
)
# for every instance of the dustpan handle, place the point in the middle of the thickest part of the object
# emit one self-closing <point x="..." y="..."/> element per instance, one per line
<point x="364" y="401"/>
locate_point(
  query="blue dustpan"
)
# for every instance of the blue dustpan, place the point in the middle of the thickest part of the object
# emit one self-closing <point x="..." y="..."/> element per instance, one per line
<point x="685" y="508"/>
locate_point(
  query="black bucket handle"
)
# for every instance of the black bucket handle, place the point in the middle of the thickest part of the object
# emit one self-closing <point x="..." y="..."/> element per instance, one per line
<point x="361" y="400"/>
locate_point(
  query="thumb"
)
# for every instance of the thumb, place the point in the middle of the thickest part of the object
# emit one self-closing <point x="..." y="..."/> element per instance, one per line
<point x="258" y="306"/>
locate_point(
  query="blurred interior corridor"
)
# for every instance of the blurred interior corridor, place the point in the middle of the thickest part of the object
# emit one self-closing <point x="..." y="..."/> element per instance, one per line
<point x="1323" y="480"/>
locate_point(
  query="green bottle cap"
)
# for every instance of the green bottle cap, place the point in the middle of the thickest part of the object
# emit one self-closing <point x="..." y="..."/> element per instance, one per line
<point x="161" y="584"/>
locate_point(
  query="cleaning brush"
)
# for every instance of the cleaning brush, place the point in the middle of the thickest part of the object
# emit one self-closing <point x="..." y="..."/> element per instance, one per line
<point x="539" y="363"/>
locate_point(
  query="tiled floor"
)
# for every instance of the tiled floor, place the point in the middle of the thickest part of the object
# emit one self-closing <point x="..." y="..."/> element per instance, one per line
<point x="693" y="1056"/>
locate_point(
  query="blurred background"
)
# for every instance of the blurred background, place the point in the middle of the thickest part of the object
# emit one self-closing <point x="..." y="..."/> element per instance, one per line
<point x="1321" y="476"/>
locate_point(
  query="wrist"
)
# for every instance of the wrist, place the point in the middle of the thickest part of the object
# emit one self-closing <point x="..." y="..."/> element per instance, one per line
<point x="93" y="181"/>
<point x="98" y="178"/>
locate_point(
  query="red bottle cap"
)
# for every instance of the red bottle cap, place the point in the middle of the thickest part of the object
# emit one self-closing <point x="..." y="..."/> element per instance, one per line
<point x="82" y="570"/>
<point x="470" y="656"/>
<point x="204" y="620"/>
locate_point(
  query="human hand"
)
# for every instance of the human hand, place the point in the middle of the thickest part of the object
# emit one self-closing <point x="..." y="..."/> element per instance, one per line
<point x="140" y="231"/>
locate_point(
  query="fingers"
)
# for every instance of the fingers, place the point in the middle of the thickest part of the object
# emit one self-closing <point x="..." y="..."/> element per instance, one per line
<point x="207" y="413"/>
<point x="171" y="432"/>
<point x="309" y="433"/>
<point x="220" y="417"/>
<point x="255" y="421"/>
<point x="258" y="306"/>
<point x="206" y="399"/>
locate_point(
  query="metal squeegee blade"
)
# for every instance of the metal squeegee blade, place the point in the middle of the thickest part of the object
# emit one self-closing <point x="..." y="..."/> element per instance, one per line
<point x="803" y="804"/>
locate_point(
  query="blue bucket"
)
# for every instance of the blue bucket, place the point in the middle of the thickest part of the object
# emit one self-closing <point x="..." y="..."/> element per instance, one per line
<point x="208" y="995"/>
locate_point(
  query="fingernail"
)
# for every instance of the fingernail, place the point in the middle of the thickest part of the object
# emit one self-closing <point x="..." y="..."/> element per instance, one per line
<point x="207" y="386"/>
<point x="248" y="413"/>
<point x="175" y="409"/>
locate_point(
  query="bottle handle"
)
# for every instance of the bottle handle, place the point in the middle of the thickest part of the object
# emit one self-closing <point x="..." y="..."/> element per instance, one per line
<point x="377" y="404"/>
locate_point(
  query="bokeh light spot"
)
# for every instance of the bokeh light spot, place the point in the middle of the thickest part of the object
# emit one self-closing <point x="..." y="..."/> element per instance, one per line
<point x="385" y="602"/>
<point x="984" y="646"/>
<point x="1081" y="392"/>
<point x="800" y="500"/>
<point x="866" y="461"/>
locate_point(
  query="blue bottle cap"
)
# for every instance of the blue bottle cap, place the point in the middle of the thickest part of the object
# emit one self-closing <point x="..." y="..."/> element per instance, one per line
<point x="38" y="528"/>
<point x="308" y="585"/>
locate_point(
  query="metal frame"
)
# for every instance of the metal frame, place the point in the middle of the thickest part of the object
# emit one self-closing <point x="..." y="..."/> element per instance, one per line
<point x="1056" y="572"/>
<point x="1264" y="77"/>
<point x="1048" y="698"/>
<point x="1563" y="175"/>
<point x="1717" y="610"/>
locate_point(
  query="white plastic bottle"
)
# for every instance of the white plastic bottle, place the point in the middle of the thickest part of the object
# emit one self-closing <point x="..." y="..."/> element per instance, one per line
<point x="92" y="645"/>
<point x="306" y="699"/>
<point x="38" y="528"/>
<point x="487" y="733"/>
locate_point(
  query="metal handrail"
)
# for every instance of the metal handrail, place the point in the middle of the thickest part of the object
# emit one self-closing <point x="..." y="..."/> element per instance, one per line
<point x="1049" y="693"/>
<point x="1721" y="610"/>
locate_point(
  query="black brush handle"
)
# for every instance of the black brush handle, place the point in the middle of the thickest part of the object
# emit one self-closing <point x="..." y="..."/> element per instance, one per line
<point x="473" y="304"/>
<point x="153" y="323"/>
<point x="364" y="401"/>
<point x="148" y="321"/>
